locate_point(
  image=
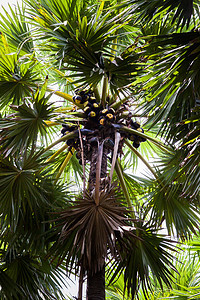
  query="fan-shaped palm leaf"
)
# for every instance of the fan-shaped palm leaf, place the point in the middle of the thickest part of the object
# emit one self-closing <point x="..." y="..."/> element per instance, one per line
<point x="17" y="76"/>
<point x="20" y="130"/>
<point x="168" y="202"/>
<point x="25" y="193"/>
<point x="86" y="230"/>
<point x="14" y="26"/>
<point x="141" y="253"/>
<point x="183" y="9"/>
<point x="84" y="43"/>
<point x="32" y="278"/>
<point x="9" y="289"/>
<point x="73" y="32"/>
<point x="177" y="91"/>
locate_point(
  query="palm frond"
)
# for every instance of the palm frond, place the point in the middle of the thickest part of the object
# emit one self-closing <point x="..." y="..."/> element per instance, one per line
<point x="21" y="129"/>
<point x="87" y="230"/>
<point x="182" y="9"/>
<point x="169" y="202"/>
<point x="14" y="26"/>
<point x="74" y="27"/>
<point x="124" y="187"/>
<point x="177" y="92"/>
<point x="141" y="253"/>
<point x="17" y="76"/>
<point x="26" y="195"/>
<point x="83" y="42"/>
<point x="9" y="289"/>
<point x="32" y="278"/>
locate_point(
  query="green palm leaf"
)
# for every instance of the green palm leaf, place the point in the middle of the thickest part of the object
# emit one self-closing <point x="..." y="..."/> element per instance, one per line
<point x="32" y="278"/>
<point x="137" y="256"/>
<point x="14" y="26"/>
<point x="73" y="32"/>
<point x="25" y="193"/>
<point x="21" y="129"/>
<point x="182" y="9"/>
<point x="17" y="76"/>
<point x="9" y="289"/>
<point x="84" y="43"/>
<point x="177" y="91"/>
<point x="169" y="203"/>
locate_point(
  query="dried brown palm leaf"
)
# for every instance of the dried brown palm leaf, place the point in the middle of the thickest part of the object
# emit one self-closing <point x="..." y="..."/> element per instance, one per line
<point x="88" y="232"/>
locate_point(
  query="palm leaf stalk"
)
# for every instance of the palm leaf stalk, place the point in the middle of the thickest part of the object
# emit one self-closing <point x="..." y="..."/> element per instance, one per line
<point x="124" y="188"/>
<point x="64" y="164"/>
<point x="82" y="155"/>
<point x="142" y="159"/>
<point x="104" y="91"/>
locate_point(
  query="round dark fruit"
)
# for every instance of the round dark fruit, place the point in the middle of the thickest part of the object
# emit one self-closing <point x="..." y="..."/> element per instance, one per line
<point x="87" y="109"/>
<point x="63" y="130"/>
<point x="132" y="137"/>
<point x="140" y="129"/>
<point x="104" y="111"/>
<point x="92" y="100"/>
<point x="111" y="110"/>
<point x="78" y="99"/>
<point x="136" y="145"/>
<point x="134" y="125"/>
<point x="95" y="106"/>
<point x="70" y="142"/>
<point x="78" y="155"/>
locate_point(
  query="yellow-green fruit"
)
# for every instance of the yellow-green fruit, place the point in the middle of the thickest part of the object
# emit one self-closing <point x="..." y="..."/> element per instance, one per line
<point x="140" y="129"/>
<point x="87" y="109"/>
<point x="85" y="103"/>
<point x="95" y="105"/>
<point x="92" y="114"/>
<point x="110" y="116"/>
<point x="77" y="101"/>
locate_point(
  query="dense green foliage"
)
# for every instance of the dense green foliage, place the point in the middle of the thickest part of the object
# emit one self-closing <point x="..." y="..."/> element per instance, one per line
<point x="121" y="78"/>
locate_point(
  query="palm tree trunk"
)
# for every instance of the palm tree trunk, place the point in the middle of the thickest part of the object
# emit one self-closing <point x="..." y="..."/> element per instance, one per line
<point x="96" y="280"/>
<point x="96" y="285"/>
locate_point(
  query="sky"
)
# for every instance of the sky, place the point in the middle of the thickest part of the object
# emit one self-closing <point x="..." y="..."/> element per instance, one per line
<point x="4" y="3"/>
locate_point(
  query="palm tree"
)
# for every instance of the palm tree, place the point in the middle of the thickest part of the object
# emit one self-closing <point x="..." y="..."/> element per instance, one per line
<point x="69" y="199"/>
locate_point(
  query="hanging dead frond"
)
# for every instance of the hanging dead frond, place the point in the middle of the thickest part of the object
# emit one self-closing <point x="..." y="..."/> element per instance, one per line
<point x="87" y="233"/>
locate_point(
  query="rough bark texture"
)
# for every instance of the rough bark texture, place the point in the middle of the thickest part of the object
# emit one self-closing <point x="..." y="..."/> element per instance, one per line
<point x="96" y="286"/>
<point x="93" y="163"/>
<point x="96" y="281"/>
<point x="92" y="175"/>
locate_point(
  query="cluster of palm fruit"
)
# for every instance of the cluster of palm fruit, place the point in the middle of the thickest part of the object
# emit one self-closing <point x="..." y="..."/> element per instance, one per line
<point x="134" y="137"/>
<point x="93" y="111"/>
<point x="99" y="124"/>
